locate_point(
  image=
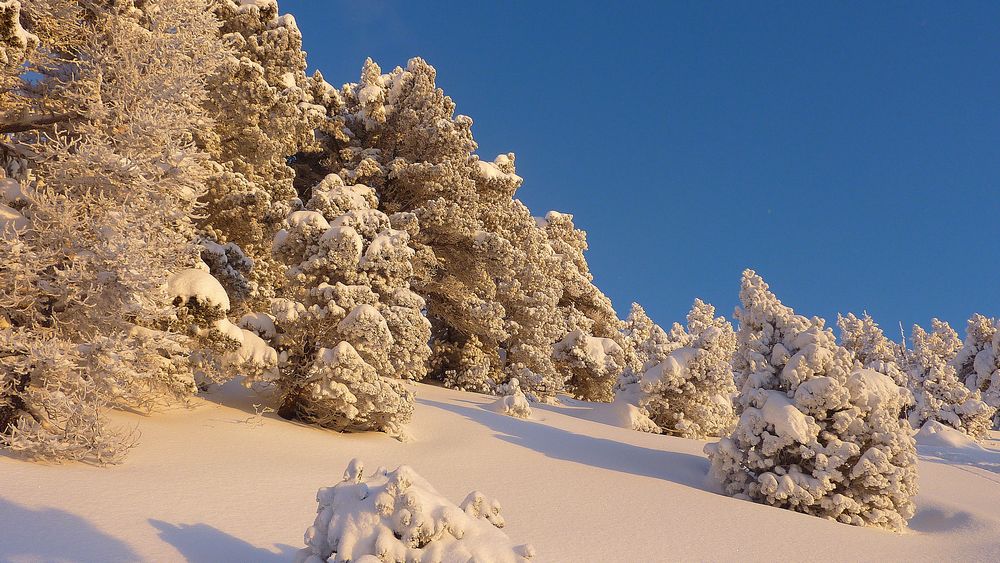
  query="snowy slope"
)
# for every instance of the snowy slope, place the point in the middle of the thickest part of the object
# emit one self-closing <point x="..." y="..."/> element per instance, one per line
<point x="217" y="484"/>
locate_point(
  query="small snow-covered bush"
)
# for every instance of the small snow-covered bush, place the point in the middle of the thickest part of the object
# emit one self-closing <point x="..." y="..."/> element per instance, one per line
<point x="397" y="516"/>
<point x="690" y="393"/>
<point x="817" y="434"/>
<point x="512" y="401"/>
<point x="594" y="362"/>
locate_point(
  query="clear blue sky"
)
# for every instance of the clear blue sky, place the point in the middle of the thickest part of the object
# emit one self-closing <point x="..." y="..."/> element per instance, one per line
<point x="849" y="152"/>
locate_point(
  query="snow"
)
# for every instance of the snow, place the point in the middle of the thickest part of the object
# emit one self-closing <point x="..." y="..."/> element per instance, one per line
<point x="933" y="434"/>
<point x="200" y="285"/>
<point x="399" y="514"/>
<point x="219" y="483"/>
<point x="260" y="323"/>
<point x="315" y="219"/>
<point x="10" y="191"/>
<point x="11" y="221"/>
<point x="787" y="421"/>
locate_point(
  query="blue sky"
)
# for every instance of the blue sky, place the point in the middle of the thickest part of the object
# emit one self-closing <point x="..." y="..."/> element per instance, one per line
<point x="849" y="152"/>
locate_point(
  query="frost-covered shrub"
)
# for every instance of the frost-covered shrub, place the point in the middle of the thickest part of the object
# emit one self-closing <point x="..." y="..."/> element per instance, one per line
<point x="397" y="516"/>
<point x="103" y="215"/>
<point x="595" y="364"/>
<point x="349" y="325"/>
<point x="978" y="362"/>
<point x="817" y="434"/>
<point x="690" y="393"/>
<point x="220" y="350"/>
<point x="938" y="392"/>
<point x="871" y="347"/>
<point x="512" y="401"/>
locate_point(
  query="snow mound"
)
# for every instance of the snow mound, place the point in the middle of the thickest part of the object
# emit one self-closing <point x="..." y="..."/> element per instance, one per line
<point x="936" y="435"/>
<point x="398" y="516"/>
<point x="11" y="221"/>
<point x="10" y="191"/>
<point x="513" y="402"/>
<point x="198" y="285"/>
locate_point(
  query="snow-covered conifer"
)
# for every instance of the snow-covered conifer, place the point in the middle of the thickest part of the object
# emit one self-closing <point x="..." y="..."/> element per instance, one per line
<point x="978" y="361"/>
<point x="817" y="434"/>
<point x="690" y="392"/>
<point x="938" y="392"/>
<point x="871" y="347"/>
<point x="398" y="516"/>
<point x="594" y="364"/>
<point x="264" y="114"/>
<point x="350" y="325"/>
<point x="646" y="344"/>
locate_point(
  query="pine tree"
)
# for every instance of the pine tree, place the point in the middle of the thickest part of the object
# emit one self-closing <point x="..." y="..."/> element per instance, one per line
<point x="264" y="113"/>
<point x="871" y="347"/>
<point x="493" y="285"/>
<point x="938" y="392"/>
<point x="690" y="393"/>
<point x="978" y="361"/>
<point x="350" y="326"/>
<point x="646" y="344"/>
<point x="817" y="434"/>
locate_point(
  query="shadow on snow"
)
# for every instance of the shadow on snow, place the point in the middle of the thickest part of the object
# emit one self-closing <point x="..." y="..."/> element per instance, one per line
<point x="201" y="542"/>
<point x="681" y="468"/>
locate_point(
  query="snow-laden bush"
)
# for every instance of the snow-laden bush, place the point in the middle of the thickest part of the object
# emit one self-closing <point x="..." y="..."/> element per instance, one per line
<point x="595" y="364"/>
<point x="817" y="434"/>
<point x="978" y="362"/>
<point x="220" y="350"/>
<point x="938" y="392"/>
<point x="397" y="516"/>
<point x="350" y="326"/>
<point x="690" y="393"/>
<point x="871" y="347"/>
<point x="512" y="401"/>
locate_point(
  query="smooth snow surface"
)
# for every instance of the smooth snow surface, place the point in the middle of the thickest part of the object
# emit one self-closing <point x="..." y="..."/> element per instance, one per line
<point x="219" y="483"/>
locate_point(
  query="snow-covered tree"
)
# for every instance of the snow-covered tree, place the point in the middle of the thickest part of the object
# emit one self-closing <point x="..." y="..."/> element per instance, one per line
<point x="646" y="344"/>
<point x="817" y="434"/>
<point x="871" y="347"/>
<point x="494" y="286"/>
<point x="398" y="516"/>
<point x="690" y="392"/>
<point x="512" y="401"/>
<point x="350" y="326"/>
<point x="108" y="178"/>
<point x="593" y="362"/>
<point x="938" y="392"/>
<point x="264" y="113"/>
<point x="978" y="361"/>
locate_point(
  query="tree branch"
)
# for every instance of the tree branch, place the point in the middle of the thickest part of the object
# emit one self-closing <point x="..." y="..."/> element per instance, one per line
<point x="30" y="122"/>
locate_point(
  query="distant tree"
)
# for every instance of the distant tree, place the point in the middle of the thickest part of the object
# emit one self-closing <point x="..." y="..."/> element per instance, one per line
<point x="939" y="394"/>
<point x="690" y="392"/>
<point x="871" y="347"/>
<point x="978" y="361"/>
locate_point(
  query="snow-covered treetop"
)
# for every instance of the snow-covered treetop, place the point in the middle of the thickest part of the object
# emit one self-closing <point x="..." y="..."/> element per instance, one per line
<point x="198" y="285"/>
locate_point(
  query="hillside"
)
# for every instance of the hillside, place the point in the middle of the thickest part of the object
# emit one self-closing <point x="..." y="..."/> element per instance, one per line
<point x="217" y="483"/>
